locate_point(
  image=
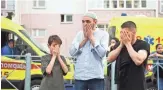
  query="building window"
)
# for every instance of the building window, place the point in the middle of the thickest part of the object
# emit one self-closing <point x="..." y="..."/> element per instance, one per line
<point x="3" y="4"/>
<point x="66" y="18"/>
<point x="143" y="4"/>
<point x="39" y="3"/>
<point x="161" y="6"/>
<point x="106" y="3"/>
<point x="38" y="32"/>
<point x="121" y="3"/>
<point x="114" y="4"/>
<point x="102" y="26"/>
<point x="125" y="4"/>
<point x="128" y="4"/>
<point x="136" y="3"/>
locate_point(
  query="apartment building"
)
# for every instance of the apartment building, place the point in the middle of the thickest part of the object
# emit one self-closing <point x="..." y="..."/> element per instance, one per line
<point x="43" y="18"/>
<point x="106" y="9"/>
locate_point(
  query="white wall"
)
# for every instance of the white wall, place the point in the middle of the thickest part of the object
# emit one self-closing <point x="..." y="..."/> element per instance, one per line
<point x="54" y="6"/>
<point x="151" y="4"/>
<point x="95" y="3"/>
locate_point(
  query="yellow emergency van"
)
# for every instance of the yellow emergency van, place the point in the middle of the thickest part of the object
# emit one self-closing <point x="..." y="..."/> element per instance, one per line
<point x="13" y="68"/>
<point x="149" y="29"/>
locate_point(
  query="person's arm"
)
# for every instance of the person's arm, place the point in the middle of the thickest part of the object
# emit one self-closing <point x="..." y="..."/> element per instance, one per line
<point x="76" y="47"/>
<point x="159" y="55"/>
<point x="63" y="64"/>
<point x="114" y="54"/>
<point x="50" y="65"/>
<point x="153" y="54"/>
<point x="137" y="57"/>
<point x="46" y="66"/>
<point x="83" y="43"/>
<point x="5" y="51"/>
<point x="100" y="47"/>
<point x="2" y="51"/>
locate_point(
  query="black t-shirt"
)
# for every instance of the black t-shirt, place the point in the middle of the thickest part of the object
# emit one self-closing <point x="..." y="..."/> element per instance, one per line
<point x="129" y="76"/>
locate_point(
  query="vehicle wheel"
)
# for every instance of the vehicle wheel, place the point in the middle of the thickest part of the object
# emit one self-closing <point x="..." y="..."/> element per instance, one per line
<point x="35" y="84"/>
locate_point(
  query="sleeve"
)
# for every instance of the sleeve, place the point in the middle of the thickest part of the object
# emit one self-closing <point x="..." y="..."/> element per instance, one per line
<point x="5" y="51"/>
<point x="2" y="51"/>
<point x="144" y="46"/>
<point x="64" y="60"/>
<point x="44" y="64"/>
<point x="101" y="47"/>
<point x="74" y="49"/>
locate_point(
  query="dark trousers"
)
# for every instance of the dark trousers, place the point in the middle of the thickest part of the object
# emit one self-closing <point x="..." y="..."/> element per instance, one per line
<point x="92" y="84"/>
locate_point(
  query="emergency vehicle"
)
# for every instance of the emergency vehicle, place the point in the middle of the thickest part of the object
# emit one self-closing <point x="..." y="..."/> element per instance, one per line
<point x="13" y="68"/>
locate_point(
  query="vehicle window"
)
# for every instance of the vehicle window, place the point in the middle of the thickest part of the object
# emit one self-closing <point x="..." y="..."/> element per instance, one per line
<point x="111" y="32"/>
<point x="21" y="47"/>
<point x="25" y="33"/>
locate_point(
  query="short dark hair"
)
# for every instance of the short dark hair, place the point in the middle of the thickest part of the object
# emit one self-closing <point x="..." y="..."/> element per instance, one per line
<point x="54" y="38"/>
<point x="158" y="45"/>
<point x="11" y="40"/>
<point x="116" y="39"/>
<point x="128" y="24"/>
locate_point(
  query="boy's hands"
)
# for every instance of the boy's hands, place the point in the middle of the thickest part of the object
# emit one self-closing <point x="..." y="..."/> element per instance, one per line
<point x="56" y="50"/>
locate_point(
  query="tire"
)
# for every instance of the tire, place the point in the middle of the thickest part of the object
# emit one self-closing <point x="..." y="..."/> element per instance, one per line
<point x="35" y="84"/>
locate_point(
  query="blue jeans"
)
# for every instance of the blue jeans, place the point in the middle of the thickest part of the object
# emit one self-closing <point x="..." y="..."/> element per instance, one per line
<point x="92" y="84"/>
<point x="161" y="83"/>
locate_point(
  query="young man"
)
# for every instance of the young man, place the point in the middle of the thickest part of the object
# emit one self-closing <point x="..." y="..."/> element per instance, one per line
<point x="131" y="57"/>
<point x="89" y="47"/>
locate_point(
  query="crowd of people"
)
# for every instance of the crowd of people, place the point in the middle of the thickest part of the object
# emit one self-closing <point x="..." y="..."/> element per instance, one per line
<point x="89" y="47"/>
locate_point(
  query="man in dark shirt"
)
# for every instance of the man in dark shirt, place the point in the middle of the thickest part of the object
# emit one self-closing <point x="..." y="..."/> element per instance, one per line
<point x="131" y="57"/>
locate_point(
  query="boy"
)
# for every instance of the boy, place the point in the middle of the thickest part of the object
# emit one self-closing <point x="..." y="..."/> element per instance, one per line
<point x="53" y="66"/>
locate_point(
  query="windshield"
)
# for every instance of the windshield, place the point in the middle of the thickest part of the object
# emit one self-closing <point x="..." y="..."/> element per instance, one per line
<point x="111" y="32"/>
<point x="33" y="41"/>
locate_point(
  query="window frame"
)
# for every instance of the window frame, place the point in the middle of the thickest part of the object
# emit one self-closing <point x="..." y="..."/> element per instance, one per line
<point x="111" y="5"/>
<point x="65" y="18"/>
<point x="15" y="34"/>
<point x="37" y="32"/>
<point x="105" y="26"/>
<point x="145" y="4"/>
<point x="5" y="4"/>
<point x="37" y="5"/>
<point x="130" y="2"/>
<point x="106" y="4"/>
<point x="161" y="4"/>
